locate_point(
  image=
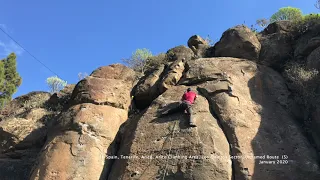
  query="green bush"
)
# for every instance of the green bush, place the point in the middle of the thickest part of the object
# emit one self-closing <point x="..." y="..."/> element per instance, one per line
<point x="56" y="84"/>
<point x="303" y="82"/>
<point x="142" y="60"/>
<point x="156" y="61"/>
<point x="306" y="22"/>
<point x="38" y="103"/>
<point x="287" y="13"/>
<point x="138" y="60"/>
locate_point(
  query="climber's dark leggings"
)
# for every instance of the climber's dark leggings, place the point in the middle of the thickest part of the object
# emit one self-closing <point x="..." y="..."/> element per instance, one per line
<point x="184" y="105"/>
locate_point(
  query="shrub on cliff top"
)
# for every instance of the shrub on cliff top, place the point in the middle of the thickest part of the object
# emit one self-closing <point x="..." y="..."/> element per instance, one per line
<point x="287" y="13"/>
<point x="142" y="60"/>
<point x="56" y="84"/>
<point x="138" y="60"/>
<point x="303" y="82"/>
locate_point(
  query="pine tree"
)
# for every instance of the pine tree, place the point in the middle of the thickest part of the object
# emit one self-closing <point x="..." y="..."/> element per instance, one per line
<point x="10" y="79"/>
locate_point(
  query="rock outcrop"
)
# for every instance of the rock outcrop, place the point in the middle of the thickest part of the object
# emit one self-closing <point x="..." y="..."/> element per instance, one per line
<point x="278" y="27"/>
<point x="199" y="46"/>
<point x="180" y="52"/>
<point x="148" y="88"/>
<point x="195" y="154"/>
<point x="313" y="60"/>
<point x="110" y="125"/>
<point x="276" y="49"/>
<point x="252" y="122"/>
<point x="23" y="130"/>
<point x="239" y="42"/>
<point x="172" y="76"/>
<point x="80" y="137"/>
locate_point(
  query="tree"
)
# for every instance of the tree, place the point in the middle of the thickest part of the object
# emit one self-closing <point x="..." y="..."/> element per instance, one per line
<point x="262" y="22"/>
<point x="10" y="79"/>
<point x="56" y="84"/>
<point x="287" y="13"/>
<point x="139" y="60"/>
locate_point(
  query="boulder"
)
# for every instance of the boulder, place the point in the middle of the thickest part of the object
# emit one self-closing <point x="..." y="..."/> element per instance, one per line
<point x="198" y="45"/>
<point x="239" y="42"/>
<point x="114" y="71"/>
<point x="202" y="70"/>
<point x="195" y="41"/>
<point x="109" y="85"/>
<point x="278" y="27"/>
<point x="200" y="153"/>
<point x="102" y="91"/>
<point x="180" y="52"/>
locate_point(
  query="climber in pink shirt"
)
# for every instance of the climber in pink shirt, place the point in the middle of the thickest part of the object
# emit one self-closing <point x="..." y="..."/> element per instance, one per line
<point x="187" y="100"/>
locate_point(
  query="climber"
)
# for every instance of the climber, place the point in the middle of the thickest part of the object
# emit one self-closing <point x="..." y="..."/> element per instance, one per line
<point x="187" y="100"/>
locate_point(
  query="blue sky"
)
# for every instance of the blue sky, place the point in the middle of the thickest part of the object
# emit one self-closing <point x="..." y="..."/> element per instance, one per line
<point x="80" y="36"/>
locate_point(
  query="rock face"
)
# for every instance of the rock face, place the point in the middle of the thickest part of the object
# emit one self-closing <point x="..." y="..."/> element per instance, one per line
<point x="80" y="137"/>
<point x="148" y="88"/>
<point x="276" y="49"/>
<point x="252" y="120"/>
<point x="253" y="124"/>
<point x="170" y="136"/>
<point x="305" y="46"/>
<point x="172" y="76"/>
<point x="313" y="60"/>
<point x="239" y="42"/>
<point x="109" y="126"/>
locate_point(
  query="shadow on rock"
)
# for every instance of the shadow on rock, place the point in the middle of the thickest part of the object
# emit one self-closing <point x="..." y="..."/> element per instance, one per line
<point x="121" y="145"/>
<point x="284" y="150"/>
<point x="17" y="159"/>
<point x="165" y="118"/>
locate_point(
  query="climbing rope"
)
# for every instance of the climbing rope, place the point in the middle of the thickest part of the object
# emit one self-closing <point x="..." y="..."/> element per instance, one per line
<point x="172" y="135"/>
<point x="172" y="132"/>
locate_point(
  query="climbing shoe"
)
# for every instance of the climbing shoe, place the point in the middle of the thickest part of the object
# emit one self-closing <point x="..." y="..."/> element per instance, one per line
<point x="192" y="125"/>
